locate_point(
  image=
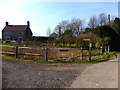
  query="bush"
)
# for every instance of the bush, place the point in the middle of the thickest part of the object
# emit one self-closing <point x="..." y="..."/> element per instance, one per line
<point x="112" y="54"/>
<point x="104" y="57"/>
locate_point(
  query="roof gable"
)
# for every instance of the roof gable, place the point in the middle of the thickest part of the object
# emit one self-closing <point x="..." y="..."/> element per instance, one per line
<point x="15" y="28"/>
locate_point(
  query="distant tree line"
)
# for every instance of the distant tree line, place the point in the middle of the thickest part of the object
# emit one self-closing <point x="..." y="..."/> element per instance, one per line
<point x="102" y="30"/>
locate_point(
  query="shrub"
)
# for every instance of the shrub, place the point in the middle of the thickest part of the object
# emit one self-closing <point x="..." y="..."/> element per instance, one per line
<point x="104" y="57"/>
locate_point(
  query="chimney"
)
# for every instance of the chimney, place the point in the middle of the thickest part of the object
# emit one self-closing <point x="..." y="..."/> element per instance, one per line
<point x="6" y="23"/>
<point x="28" y="23"/>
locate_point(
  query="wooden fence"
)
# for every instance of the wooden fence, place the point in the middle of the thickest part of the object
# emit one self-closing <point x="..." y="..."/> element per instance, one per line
<point x="48" y="53"/>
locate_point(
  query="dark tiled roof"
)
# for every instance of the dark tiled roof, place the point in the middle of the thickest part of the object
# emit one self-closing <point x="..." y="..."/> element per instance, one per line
<point x="15" y="28"/>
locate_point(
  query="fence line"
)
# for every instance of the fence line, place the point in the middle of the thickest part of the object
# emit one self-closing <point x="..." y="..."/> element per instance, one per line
<point x="17" y="53"/>
<point x="45" y="51"/>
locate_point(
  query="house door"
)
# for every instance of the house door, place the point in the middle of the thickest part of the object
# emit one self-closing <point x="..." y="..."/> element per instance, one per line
<point x="13" y="38"/>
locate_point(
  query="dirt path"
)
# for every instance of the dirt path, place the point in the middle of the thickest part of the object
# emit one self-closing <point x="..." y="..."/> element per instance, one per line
<point x="102" y="75"/>
<point x="19" y="74"/>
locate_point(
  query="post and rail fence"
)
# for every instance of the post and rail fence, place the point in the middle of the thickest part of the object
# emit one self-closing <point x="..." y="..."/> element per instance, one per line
<point x="49" y="53"/>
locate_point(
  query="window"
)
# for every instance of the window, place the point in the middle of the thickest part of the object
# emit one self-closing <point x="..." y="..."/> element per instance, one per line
<point x="20" y="38"/>
<point x="8" y="33"/>
<point x="21" y="33"/>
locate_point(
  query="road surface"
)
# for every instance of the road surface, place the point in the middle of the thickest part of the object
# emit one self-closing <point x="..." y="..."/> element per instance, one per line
<point x="21" y="74"/>
<point x="102" y="75"/>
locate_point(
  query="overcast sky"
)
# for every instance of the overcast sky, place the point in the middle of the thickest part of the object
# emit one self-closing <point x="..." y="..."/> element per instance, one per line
<point x="48" y="14"/>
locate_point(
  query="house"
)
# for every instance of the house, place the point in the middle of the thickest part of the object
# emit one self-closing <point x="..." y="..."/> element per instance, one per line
<point x="16" y="32"/>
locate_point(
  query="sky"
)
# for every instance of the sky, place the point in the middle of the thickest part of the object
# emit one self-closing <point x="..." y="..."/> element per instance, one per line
<point x="119" y="9"/>
<point x="45" y="14"/>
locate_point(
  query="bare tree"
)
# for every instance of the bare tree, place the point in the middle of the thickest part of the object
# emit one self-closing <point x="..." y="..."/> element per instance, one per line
<point x="61" y="27"/>
<point x="48" y="31"/>
<point x="103" y="19"/>
<point x="112" y="18"/>
<point x="93" y="22"/>
<point x="58" y="30"/>
<point x="77" y="25"/>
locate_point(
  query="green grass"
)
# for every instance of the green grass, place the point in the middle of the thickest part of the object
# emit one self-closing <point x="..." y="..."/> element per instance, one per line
<point x="13" y="58"/>
<point x="8" y="44"/>
<point x="10" y="58"/>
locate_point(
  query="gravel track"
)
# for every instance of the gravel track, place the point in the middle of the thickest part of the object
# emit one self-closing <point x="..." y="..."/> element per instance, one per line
<point x="20" y="74"/>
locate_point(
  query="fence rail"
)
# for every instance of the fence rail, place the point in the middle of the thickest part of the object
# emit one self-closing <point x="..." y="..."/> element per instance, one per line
<point x="48" y="53"/>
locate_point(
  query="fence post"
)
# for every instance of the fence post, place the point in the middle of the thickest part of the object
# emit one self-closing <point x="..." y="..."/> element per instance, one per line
<point x="46" y="54"/>
<point x="105" y="49"/>
<point x="81" y="53"/>
<point x="101" y="51"/>
<point x="108" y="48"/>
<point x="90" y="48"/>
<point x="16" y="51"/>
